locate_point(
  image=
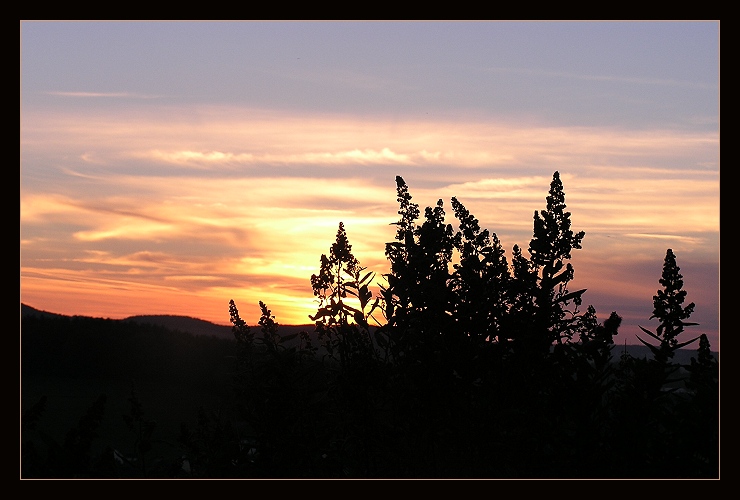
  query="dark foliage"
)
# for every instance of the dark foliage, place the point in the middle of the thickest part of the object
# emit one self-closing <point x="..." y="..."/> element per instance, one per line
<point x="143" y="370"/>
<point x="481" y="369"/>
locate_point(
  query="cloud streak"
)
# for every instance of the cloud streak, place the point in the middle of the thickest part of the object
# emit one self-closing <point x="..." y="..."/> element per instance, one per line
<point x="662" y="82"/>
<point x="128" y="95"/>
<point x="257" y="138"/>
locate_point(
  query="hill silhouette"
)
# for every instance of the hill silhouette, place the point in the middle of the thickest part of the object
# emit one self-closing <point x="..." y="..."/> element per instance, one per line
<point x="185" y="324"/>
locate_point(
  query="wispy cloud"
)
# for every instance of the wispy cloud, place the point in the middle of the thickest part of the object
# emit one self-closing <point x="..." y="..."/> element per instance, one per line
<point x="219" y="159"/>
<point x="214" y="139"/>
<point x="605" y="78"/>
<point x="128" y="95"/>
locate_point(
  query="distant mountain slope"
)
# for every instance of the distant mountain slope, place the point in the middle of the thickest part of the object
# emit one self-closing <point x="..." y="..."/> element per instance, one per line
<point x="27" y="310"/>
<point x="184" y="324"/>
<point x="197" y="326"/>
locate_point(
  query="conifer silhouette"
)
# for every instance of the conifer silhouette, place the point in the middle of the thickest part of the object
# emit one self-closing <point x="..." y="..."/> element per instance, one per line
<point x="668" y="309"/>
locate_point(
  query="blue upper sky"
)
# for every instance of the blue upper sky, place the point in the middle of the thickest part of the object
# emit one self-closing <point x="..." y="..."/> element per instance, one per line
<point x="637" y="74"/>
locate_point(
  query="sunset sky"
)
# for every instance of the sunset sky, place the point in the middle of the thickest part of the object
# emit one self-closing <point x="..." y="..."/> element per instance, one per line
<point x="168" y="167"/>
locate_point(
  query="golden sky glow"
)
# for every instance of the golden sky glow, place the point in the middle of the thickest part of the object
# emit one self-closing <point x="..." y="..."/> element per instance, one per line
<point x="279" y="226"/>
<point x="136" y="202"/>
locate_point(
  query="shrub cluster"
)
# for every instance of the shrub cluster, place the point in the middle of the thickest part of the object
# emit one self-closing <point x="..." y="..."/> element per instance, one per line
<point x="479" y="367"/>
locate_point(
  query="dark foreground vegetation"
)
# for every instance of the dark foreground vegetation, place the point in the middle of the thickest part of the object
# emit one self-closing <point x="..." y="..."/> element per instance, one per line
<point x="477" y="368"/>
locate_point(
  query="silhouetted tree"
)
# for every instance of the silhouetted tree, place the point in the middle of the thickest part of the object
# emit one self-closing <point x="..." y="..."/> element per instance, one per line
<point x="401" y="280"/>
<point x="481" y="279"/>
<point x="702" y="414"/>
<point x="480" y="291"/>
<point x="550" y="249"/>
<point x="519" y="324"/>
<point x="73" y="458"/>
<point x="344" y="328"/>
<point x="143" y="430"/>
<point x="418" y="301"/>
<point x="668" y="309"/>
<point x="656" y="424"/>
<point x="279" y="392"/>
<point x="704" y="369"/>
